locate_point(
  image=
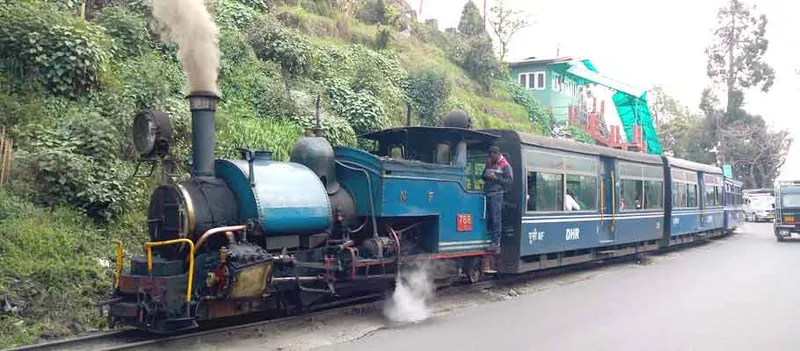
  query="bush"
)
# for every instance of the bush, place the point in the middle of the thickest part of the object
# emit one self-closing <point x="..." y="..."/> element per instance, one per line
<point x="480" y="62"/>
<point x="429" y="90"/>
<point x="579" y="135"/>
<point x="378" y="12"/>
<point x="76" y="164"/>
<point x="234" y="14"/>
<point x="335" y="128"/>
<point x="383" y="38"/>
<point x="247" y="80"/>
<point x="537" y="114"/>
<point x="131" y="38"/>
<point x="39" y="43"/>
<point x="361" y="109"/>
<point x="289" y="49"/>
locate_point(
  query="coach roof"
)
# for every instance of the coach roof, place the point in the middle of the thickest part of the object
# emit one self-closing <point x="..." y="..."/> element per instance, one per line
<point x="692" y="166"/>
<point x="574" y="146"/>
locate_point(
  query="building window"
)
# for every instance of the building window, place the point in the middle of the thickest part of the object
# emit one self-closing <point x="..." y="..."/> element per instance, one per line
<point x="540" y="83"/>
<point x="533" y="80"/>
<point x="557" y="83"/>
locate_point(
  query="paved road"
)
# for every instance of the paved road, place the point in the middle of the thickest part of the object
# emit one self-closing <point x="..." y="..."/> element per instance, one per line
<point x="738" y="293"/>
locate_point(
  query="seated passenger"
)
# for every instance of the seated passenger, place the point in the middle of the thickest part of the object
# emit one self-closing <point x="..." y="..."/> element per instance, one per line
<point x="569" y="201"/>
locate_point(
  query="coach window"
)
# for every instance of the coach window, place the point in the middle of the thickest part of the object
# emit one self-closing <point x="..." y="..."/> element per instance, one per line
<point x="713" y="190"/>
<point x="679" y="194"/>
<point x="551" y="174"/>
<point x="684" y="188"/>
<point x="584" y="190"/>
<point x="545" y="191"/>
<point x="691" y="195"/>
<point x="641" y="186"/>
<point x="653" y="194"/>
<point x="710" y="197"/>
<point x="631" y="193"/>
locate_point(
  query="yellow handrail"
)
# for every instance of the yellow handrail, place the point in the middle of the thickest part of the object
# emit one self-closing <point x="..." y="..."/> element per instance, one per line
<point x="149" y="248"/>
<point x="118" y="270"/>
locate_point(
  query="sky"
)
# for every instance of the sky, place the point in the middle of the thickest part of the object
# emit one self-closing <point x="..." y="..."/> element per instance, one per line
<point x="644" y="43"/>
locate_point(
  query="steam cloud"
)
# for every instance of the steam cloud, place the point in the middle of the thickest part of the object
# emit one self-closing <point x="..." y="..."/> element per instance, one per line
<point x="189" y="24"/>
<point x="409" y="301"/>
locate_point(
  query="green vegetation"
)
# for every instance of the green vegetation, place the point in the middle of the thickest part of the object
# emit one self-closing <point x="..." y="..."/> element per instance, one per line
<point x="725" y="133"/>
<point x="71" y="87"/>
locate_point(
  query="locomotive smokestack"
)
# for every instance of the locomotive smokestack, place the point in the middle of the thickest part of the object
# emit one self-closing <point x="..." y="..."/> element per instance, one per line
<point x="203" y="104"/>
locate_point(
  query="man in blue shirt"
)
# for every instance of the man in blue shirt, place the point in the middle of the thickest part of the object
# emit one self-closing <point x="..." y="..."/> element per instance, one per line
<point x="497" y="178"/>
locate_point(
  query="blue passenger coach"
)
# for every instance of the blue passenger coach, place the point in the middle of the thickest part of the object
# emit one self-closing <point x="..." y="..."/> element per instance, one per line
<point x="734" y="213"/>
<point x="695" y="206"/>
<point x="619" y="196"/>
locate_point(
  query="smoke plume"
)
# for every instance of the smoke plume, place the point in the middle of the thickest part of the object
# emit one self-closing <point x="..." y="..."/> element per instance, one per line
<point x="409" y="302"/>
<point x="189" y="24"/>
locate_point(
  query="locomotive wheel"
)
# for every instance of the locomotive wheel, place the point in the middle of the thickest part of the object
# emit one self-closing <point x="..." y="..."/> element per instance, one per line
<point x="473" y="268"/>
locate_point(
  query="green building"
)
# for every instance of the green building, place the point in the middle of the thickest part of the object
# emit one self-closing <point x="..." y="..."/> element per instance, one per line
<point x="560" y="83"/>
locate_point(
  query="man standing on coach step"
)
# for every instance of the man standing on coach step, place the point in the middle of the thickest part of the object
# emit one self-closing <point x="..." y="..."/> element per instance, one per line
<point x="497" y="178"/>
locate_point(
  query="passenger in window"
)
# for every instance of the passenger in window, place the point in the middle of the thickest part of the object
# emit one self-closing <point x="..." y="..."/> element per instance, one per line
<point x="569" y="201"/>
<point x="638" y="203"/>
<point x="497" y="177"/>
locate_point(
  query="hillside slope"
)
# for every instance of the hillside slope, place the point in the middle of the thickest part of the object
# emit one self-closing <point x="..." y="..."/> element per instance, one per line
<point x="71" y="86"/>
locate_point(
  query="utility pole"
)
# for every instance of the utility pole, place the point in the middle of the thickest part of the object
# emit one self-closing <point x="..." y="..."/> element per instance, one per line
<point x="420" y="8"/>
<point x="485" y="15"/>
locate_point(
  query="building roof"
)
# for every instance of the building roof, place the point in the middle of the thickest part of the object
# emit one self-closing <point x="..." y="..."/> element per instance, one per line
<point x="535" y="60"/>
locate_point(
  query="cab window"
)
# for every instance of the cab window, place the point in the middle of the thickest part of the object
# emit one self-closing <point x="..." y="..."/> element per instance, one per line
<point x="474" y="172"/>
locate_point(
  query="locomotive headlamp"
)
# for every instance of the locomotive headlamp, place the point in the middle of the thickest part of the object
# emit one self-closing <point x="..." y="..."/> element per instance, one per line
<point x="152" y="133"/>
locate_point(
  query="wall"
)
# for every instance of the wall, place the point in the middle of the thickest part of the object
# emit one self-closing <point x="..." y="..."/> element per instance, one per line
<point x="551" y="94"/>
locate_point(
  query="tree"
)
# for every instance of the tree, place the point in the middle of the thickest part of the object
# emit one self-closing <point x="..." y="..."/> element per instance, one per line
<point x="757" y="151"/>
<point x="480" y="62"/>
<point x="506" y="22"/>
<point x="471" y="23"/>
<point x="665" y="107"/>
<point x="680" y="131"/>
<point x="754" y="150"/>
<point x="735" y="59"/>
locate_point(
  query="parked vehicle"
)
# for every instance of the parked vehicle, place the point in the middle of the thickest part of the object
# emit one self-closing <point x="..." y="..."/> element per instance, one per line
<point x="787" y="219"/>
<point x="758" y="208"/>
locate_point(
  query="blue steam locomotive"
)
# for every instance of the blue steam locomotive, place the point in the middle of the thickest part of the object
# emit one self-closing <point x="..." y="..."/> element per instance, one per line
<point x="256" y="234"/>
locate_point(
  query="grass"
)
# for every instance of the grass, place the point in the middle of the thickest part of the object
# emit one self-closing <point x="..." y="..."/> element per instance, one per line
<point x="54" y="265"/>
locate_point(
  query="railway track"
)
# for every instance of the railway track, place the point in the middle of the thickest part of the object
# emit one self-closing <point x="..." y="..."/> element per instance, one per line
<point x="129" y="339"/>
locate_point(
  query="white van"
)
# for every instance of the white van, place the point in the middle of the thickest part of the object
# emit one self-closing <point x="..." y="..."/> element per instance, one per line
<point x="759" y="208"/>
